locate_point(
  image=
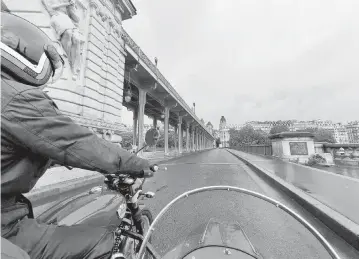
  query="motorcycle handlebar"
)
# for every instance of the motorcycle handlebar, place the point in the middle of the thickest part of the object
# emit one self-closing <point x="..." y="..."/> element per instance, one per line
<point x="146" y="173"/>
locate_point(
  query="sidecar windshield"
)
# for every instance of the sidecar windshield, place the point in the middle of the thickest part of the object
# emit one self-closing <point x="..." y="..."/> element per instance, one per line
<point x="219" y="223"/>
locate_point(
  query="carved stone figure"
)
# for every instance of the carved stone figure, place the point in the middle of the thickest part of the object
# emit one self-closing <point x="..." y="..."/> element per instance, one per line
<point x="65" y="21"/>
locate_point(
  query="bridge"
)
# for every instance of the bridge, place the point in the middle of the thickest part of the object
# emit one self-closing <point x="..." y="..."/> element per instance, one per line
<point x="115" y="73"/>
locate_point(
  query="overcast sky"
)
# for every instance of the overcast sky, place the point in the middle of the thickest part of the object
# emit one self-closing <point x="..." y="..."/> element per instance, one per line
<point x="255" y="60"/>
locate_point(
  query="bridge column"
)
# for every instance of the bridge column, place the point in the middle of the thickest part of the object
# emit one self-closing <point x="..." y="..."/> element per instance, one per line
<point x="197" y="139"/>
<point x="175" y="137"/>
<point x="201" y="145"/>
<point x="155" y="122"/>
<point x="187" y="137"/>
<point x="204" y="141"/>
<point x="203" y="136"/>
<point x="192" y="137"/>
<point x="134" y="139"/>
<point x="180" y="141"/>
<point x="167" y="117"/>
<point x="183" y="138"/>
<point x="141" y="116"/>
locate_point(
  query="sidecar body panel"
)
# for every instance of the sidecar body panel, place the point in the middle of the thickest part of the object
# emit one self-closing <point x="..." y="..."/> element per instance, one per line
<point x="95" y="208"/>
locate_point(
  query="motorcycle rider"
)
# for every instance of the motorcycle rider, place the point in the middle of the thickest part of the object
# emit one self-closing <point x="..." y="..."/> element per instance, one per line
<point x="33" y="133"/>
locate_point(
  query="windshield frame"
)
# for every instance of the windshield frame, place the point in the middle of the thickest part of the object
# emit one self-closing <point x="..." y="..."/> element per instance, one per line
<point x="185" y="195"/>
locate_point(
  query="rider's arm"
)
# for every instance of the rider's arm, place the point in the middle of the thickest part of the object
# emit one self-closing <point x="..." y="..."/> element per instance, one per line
<point x="11" y="251"/>
<point x="36" y="122"/>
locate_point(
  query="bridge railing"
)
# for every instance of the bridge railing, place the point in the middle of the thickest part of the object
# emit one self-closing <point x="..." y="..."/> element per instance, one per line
<point x="255" y="149"/>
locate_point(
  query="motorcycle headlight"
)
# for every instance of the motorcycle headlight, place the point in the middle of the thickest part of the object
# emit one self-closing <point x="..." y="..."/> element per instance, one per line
<point x="121" y="210"/>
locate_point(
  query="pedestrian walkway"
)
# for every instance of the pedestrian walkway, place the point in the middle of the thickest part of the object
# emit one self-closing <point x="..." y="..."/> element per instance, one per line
<point x="339" y="192"/>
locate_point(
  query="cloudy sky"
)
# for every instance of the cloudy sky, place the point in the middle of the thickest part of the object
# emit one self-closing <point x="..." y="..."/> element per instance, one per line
<point x="255" y="59"/>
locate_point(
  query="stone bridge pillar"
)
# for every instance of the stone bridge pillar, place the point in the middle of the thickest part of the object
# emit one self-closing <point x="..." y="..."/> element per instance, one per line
<point x="168" y="106"/>
<point x="192" y="137"/>
<point x="134" y="132"/>
<point x="187" y="137"/>
<point x="167" y="116"/>
<point x="180" y="141"/>
<point x="198" y="140"/>
<point x="141" y="116"/>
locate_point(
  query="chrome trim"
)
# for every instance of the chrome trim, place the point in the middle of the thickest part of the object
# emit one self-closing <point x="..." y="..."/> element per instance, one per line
<point x="96" y="189"/>
<point x="315" y="232"/>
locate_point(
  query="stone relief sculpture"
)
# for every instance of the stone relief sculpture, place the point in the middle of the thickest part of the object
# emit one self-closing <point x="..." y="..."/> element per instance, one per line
<point x="65" y="21"/>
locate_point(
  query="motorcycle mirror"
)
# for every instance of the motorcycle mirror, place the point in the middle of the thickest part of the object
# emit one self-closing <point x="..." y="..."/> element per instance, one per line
<point x="152" y="136"/>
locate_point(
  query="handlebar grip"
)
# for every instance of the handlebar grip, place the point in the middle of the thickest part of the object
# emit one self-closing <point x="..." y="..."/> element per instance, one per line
<point x="146" y="173"/>
<point x="154" y="168"/>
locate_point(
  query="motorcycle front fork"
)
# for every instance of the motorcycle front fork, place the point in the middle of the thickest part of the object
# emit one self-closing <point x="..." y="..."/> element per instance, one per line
<point x="133" y="216"/>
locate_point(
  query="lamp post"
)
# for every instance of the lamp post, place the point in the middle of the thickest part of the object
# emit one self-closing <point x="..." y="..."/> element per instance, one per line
<point x="128" y="92"/>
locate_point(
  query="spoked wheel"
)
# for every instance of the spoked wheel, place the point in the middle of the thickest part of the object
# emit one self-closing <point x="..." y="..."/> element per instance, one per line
<point x="146" y="221"/>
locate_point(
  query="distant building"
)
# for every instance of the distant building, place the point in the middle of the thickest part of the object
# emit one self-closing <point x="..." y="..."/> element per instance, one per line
<point x="264" y="126"/>
<point x="223" y="132"/>
<point x="209" y="127"/>
<point x="353" y="131"/>
<point x="235" y="126"/>
<point x="340" y="133"/>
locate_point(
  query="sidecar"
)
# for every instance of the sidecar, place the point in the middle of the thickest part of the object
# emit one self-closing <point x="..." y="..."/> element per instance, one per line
<point x="98" y="206"/>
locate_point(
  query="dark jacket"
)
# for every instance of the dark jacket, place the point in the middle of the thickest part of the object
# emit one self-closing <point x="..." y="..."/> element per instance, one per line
<point x="34" y="131"/>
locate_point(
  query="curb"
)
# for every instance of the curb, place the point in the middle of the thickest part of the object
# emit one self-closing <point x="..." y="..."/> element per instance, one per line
<point x="65" y="186"/>
<point x="338" y="223"/>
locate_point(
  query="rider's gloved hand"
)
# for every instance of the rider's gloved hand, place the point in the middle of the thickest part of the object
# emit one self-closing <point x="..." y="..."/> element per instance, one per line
<point x="131" y="162"/>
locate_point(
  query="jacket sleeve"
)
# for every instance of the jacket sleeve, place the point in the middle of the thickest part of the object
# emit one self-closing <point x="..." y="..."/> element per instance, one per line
<point x="34" y="120"/>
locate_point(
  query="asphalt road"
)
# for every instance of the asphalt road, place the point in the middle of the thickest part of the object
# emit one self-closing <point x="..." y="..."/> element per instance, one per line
<point x="273" y="233"/>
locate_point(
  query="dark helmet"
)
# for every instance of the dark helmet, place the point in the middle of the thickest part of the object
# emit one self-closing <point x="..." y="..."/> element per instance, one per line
<point x="27" y="53"/>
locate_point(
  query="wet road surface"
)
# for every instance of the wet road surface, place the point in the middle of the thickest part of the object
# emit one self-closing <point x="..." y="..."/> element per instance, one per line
<point x="273" y="233"/>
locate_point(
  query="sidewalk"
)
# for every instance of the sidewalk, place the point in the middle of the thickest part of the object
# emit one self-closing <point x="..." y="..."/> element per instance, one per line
<point x="338" y="192"/>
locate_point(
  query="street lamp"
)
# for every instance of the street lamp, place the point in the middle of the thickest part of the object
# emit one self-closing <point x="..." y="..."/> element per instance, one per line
<point x="128" y="92"/>
<point x="128" y="95"/>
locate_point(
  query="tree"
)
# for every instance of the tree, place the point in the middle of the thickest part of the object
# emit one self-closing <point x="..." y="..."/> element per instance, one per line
<point x="127" y="139"/>
<point x="247" y="136"/>
<point x="320" y="135"/>
<point x="278" y="129"/>
<point x="218" y="142"/>
<point x="323" y="135"/>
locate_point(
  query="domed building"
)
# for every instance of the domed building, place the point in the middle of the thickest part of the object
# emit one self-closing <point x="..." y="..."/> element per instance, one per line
<point x="223" y="132"/>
